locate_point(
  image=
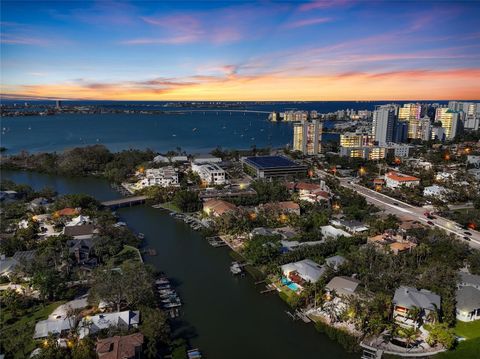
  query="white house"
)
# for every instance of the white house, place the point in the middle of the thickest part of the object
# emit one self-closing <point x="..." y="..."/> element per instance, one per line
<point x="203" y="159"/>
<point x="90" y="325"/>
<point x="435" y="191"/>
<point x="303" y="271"/>
<point x="396" y="179"/>
<point x="164" y="177"/>
<point x="332" y="232"/>
<point x="210" y="173"/>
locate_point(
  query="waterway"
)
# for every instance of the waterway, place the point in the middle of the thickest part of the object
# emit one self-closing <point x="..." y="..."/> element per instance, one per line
<point x="225" y="316"/>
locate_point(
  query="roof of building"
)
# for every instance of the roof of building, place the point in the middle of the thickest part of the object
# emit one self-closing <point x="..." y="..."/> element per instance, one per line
<point x="218" y="206"/>
<point x="409" y="297"/>
<point x="119" y="347"/>
<point x="98" y="322"/>
<point x="83" y="244"/>
<point x="288" y="205"/>
<point x="24" y="256"/>
<point x="335" y="261"/>
<point x="54" y="326"/>
<point x="401" y="246"/>
<point x="470" y="279"/>
<point x="400" y="177"/>
<point x="7" y="265"/>
<point x="307" y="269"/>
<point x="67" y="212"/>
<point x="265" y="162"/>
<point x="307" y="186"/>
<point x="343" y="285"/>
<point x="82" y="230"/>
<point x="468" y="299"/>
<point x="331" y="231"/>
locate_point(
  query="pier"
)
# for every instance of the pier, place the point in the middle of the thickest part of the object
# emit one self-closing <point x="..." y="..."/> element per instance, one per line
<point x="124" y="202"/>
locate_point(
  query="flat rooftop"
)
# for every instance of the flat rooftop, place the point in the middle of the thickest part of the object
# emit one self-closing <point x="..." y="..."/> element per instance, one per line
<point x="266" y="162"/>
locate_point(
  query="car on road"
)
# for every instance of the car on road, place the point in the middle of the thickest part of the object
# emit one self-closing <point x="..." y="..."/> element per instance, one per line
<point x="468" y="233"/>
<point x="431" y="223"/>
<point x="396" y="204"/>
<point x="467" y="238"/>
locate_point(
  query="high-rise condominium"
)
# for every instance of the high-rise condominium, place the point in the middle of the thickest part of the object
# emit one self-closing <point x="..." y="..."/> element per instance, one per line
<point x="411" y="112"/>
<point x="383" y="124"/>
<point x="449" y="119"/>
<point x="307" y="137"/>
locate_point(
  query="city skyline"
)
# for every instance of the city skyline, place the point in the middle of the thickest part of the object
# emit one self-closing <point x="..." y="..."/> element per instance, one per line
<point x="321" y="50"/>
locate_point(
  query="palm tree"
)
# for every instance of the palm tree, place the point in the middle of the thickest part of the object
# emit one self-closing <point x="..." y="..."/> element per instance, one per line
<point x="414" y="314"/>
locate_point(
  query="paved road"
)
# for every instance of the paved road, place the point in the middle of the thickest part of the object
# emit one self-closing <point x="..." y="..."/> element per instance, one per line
<point x="403" y="209"/>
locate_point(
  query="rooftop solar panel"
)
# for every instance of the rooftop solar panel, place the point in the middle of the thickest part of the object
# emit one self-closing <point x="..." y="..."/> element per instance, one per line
<point x="270" y="162"/>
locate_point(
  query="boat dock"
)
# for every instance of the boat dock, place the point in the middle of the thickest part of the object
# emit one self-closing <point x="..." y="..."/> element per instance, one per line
<point x="216" y="242"/>
<point x="125" y="202"/>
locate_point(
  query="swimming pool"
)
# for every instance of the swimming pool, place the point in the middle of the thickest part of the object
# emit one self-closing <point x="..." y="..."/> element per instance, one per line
<point x="293" y="286"/>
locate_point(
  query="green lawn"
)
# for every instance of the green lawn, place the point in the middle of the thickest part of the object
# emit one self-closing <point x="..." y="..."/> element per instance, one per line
<point x="468" y="349"/>
<point x="127" y="253"/>
<point x="468" y="330"/>
<point x="25" y="325"/>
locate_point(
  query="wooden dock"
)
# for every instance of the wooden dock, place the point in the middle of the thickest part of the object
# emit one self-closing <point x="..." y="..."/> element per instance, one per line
<point x="125" y="202"/>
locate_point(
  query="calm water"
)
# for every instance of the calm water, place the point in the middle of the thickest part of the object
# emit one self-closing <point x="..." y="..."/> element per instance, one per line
<point x="223" y="315"/>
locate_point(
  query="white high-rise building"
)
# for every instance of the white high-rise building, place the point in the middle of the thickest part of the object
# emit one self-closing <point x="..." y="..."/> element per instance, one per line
<point x="307" y="137"/>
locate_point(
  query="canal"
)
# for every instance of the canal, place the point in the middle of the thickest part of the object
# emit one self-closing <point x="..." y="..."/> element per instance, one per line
<point x="223" y="315"/>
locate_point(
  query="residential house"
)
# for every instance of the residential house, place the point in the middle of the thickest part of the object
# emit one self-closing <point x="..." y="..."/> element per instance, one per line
<point x="66" y="212"/>
<point x="217" y="207"/>
<point x="332" y="232"/>
<point x="90" y="325"/>
<point x="8" y="195"/>
<point x="396" y="179"/>
<point x="37" y="203"/>
<point x="83" y="231"/>
<point x="408" y="299"/>
<point x="311" y="192"/>
<point x="468" y="297"/>
<point x="435" y="191"/>
<point x="120" y="347"/>
<point x="81" y="249"/>
<point x="351" y="226"/>
<point x="9" y="265"/>
<point x="302" y="272"/>
<point x="202" y="159"/>
<point x="163" y="177"/>
<point x="172" y="159"/>
<point x="342" y="286"/>
<point x="56" y="327"/>
<point x="335" y="262"/>
<point x="395" y="242"/>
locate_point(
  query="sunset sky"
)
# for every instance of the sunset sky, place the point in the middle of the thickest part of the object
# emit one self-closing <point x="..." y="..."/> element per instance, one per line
<point x="320" y="50"/>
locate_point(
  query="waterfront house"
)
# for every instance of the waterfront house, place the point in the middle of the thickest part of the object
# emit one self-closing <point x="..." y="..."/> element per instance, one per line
<point x="8" y="195"/>
<point x="37" y="203"/>
<point x="126" y="320"/>
<point x="413" y="307"/>
<point x="286" y="207"/>
<point x="81" y="249"/>
<point x="66" y="212"/>
<point x="342" y="286"/>
<point x="172" y="159"/>
<point x="332" y="232"/>
<point x="210" y="173"/>
<point x="217" y="207"/>
<point x="79" y="221"/>
<point x="396" y="179"/>
<point x="120" y="347"/>
<point x="468" y="297"/>
<point x="302" y="272"/>
<point x="84" y="231"/>
<point x="163" y="177"/>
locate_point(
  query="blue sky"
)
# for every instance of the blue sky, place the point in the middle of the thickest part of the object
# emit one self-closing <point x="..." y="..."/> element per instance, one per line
<point x="233" y="50"/>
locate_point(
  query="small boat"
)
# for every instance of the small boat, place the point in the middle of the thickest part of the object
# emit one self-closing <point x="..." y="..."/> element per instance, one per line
<point x="235" y="268"/>
<point x="162" y="281"/>
<point x="194" y="354"/>
<point x="141" y="236"/>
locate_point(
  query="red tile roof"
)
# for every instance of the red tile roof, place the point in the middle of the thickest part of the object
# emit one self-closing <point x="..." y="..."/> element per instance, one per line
<point x="401" y="177"/>
<point x="118" y="347"/>
<point x="218" y="206"/>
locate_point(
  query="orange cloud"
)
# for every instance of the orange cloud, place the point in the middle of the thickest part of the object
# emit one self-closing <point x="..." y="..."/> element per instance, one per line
<point x="393" y="85"/>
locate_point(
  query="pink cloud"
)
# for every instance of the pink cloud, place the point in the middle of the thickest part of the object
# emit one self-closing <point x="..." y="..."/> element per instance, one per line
<point x="23" y="40"/>
<point x="323" y="4"/>
<point x="307" y="22"/>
